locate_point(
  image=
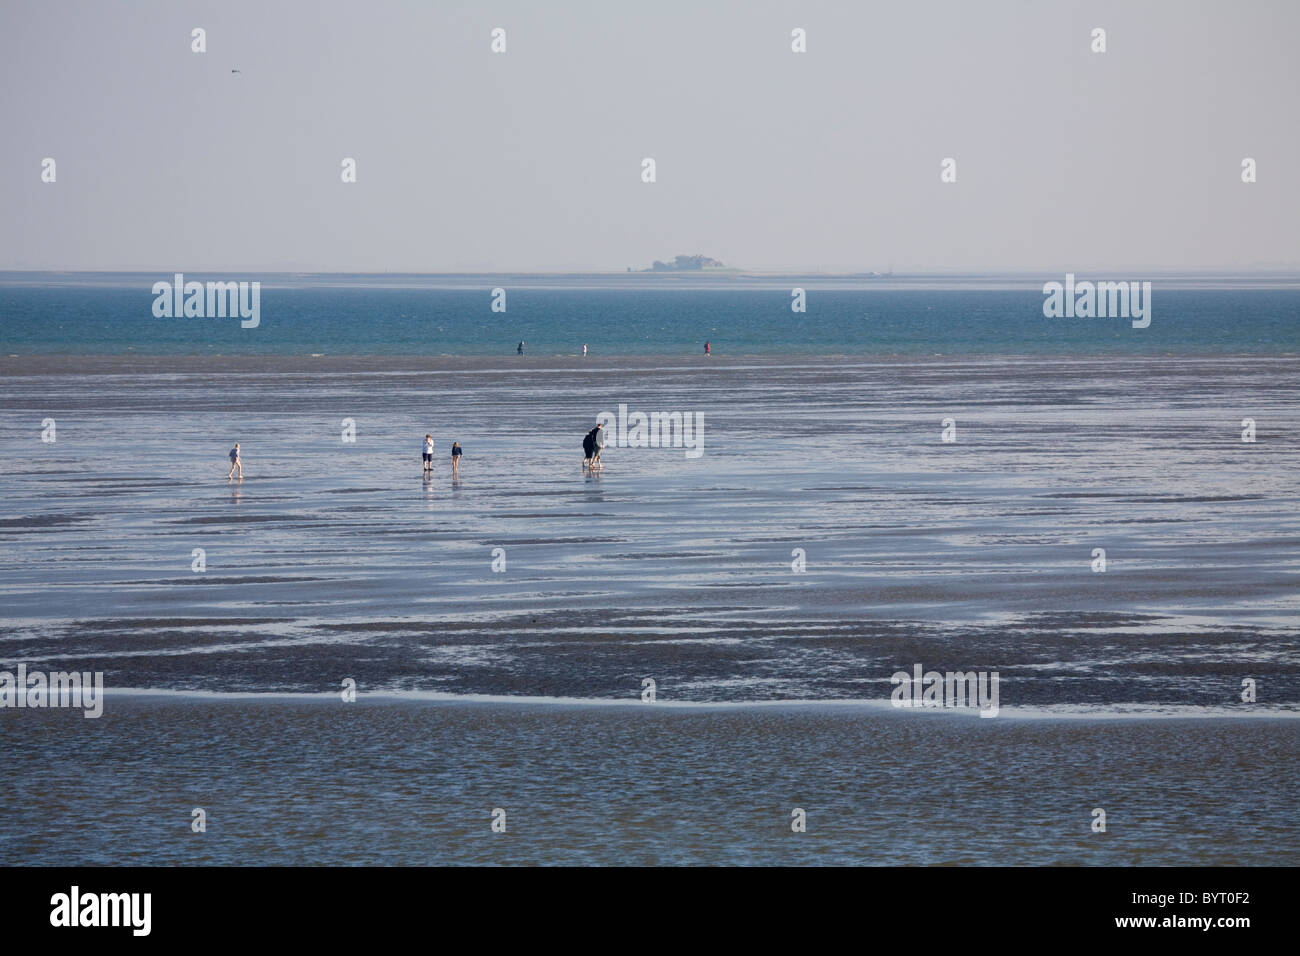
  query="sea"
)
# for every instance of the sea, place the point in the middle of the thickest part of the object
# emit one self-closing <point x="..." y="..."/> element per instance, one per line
<point x="343" y="659"/>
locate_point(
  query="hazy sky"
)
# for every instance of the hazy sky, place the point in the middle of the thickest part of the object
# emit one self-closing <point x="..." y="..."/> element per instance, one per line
<point x="531" y="160"/>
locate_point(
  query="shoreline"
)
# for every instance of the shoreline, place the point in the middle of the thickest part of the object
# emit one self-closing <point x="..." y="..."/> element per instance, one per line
<point x="869" y="706"/>
<point x="34" y="364"/>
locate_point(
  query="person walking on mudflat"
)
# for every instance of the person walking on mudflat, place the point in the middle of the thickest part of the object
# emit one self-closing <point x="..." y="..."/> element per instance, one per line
<point x="589" y="446"/>
<point x="455" y="459"/>
<point x="428" y="453"/>
<point x="235" y="462"/>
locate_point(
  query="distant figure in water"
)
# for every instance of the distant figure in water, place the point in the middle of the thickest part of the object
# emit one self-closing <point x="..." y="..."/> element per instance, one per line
<point x="428" y="453"/>
<point x="235" y="462"/>
<point x="520" y="350"/>
<point x="455" y="459"/>
<point x="584" y="349"/>
<point x="589" y="447"/>
<point x="706" y="348"/>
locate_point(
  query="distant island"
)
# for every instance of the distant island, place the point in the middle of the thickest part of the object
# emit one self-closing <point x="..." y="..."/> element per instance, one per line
<point x="685" y="264"/>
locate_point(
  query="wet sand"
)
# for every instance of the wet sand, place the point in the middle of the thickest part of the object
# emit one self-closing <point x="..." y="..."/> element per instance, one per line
<point x="334" y="559"/>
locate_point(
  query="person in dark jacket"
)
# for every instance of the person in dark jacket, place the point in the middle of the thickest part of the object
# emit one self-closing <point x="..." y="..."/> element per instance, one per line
<point x="591" y="447"/>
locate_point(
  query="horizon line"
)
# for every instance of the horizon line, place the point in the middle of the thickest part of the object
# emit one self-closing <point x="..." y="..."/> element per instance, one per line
<point x="694" y="273"/>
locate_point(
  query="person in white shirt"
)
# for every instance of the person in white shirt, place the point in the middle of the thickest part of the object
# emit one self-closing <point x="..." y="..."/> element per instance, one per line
<point x="428" y="453"/>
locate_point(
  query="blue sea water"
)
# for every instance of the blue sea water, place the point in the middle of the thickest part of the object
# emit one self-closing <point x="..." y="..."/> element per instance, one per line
<point x="637" y="315"/>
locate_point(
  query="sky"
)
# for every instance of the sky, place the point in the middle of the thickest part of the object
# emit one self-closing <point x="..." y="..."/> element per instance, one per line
<point x="531" y="159"/>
